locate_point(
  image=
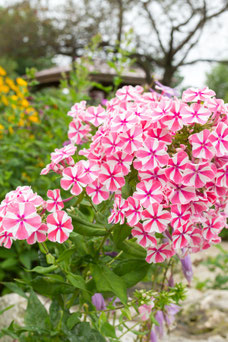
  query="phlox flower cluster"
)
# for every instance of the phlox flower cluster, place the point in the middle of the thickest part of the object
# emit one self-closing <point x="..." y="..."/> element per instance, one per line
<point x="23" y="217"/>
<point x="168" y="154"/>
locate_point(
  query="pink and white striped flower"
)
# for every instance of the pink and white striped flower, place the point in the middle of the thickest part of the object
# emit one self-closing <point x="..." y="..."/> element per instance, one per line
<point x="111" y="176"/>
<point x="55" y="202"/>
<point x="30" y="197"/>
<point x="97" y="191"/>
<point x="201" y="145"/>
<point x="155" y="219"/>
<point x="161" y="134"/>
<point x="152" y="154"/>
<point x="182" y="236"/>
<point x="122" y="159"/>
<point x="118" y="211"/>
<point x="144" y="238"/>
<point x="133" y="213"/>
<point x="159" y="253"/>
<point x="176" y="167"/>
<point x="156" y="174"/>
<point x="59" y="226"/>
<point x="63" y="153"/>
<point x="222" y="177"/>
<point x="77" y="131"/>
<point x="95" y="115"/>
<point x="111" y="143"/>
<point x="40" y="235"/>
<point x="131" y="140"/>
<point x="21" y="219"/>
<point x="219" y="139"/>
<point x="127" y="93"/>
<point x="197" y="175"/>
<point x="194" y="95"/>
<point x="196" y="113"/>
<point x="212" y="227"/>
<point x="123" y="122"/>
<point x="180" y="215"/>
<point x="6" y="239"/>
<point x="182" y="194"/>
<point x="173" y="119"/>
<point x="74" y="177"/>
<point x="78" y="110"/>
<point x="91" y="168"/>
<point x="148" y="193"/>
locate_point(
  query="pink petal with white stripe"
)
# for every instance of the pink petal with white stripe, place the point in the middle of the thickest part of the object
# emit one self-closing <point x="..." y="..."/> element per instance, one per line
<point x="144" y="238"/>
<point x="155" y="219"/>
<point x="59" y="226"/>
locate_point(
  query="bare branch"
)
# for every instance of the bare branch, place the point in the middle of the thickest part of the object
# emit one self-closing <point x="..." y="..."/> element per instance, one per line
<point x="154" y="26"/>
<point x="209" y="60"/>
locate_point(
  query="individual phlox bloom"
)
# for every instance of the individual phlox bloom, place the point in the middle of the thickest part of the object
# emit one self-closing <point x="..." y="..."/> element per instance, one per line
<point x="194" y="95"/>
<point x="182" y="194"/>
<point x="95" y="115"/>
<point x="131" y="140"/>
<point x="59" y="226"/>
<point x="118" y="211"/>
<point x="39" y="235"/>
<point x="133" y="213"/>
<point x="197" y="175"/>
<point x="97" y="191"/>
<point x="219" y="139"/>
<point x="161" y="134"/>
<point x="156" y="174"/>
<point x="124" y="121"/>
<point x="122" y="159"/>
<point x="180" y="215"/>
<point x="145" y="311"/>
<point x="77" y="131"/>
<point x="201" y="145"/>
<point x="63" y="153"/>
<point x="21" y="220"/>
<point x="57" y="168"/>
<point x="78" y="110"/>
<point x="176" y="167"/>
<point x="196" y="237"/>
<point x="74" y="177"/>
<point x="111" y="176"/>
<point x="163" y="108"/>
<point x="173" y="119"/>
<point x="212" y="227"/>
<point x="152" y="154"/>
<point x="159" y="253"/>
<point x="31" y="197"/>
<point x="55" y="201"/>
<point x="196" y="113"/>
<point x="182" y="236"/>
<point x="6" y="239"/>
<point x="4" y="205"/>
<point x="215" y="105"/>
<point x="91" y="168"/>
<point x="222" y="177"/>
<point x="200" y="205"/>
<point x="127" y="93"/>
<point x="111" y="143"/>
<point x="148" y="192"/>
<point x="155" y="219"/>
<point x="145" y="239"/>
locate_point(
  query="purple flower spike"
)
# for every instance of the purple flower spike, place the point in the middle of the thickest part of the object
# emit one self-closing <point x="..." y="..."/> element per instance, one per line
<point x="187" y="268"/>
<point x="160" y="318"/>
<point x="171" y="311"/>
<point x="98" y="301"/>
<point x="153" y="336"/>
<point x="167" y="91"/>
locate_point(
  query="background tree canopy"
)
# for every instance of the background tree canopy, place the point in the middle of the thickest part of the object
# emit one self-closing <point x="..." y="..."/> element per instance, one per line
<point x="164" y="32"/>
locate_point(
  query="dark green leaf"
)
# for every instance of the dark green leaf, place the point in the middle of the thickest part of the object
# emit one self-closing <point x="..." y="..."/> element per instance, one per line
<point x="77" y="281"/>
<point x="108" y="330"/>
<point x="36" y="314"/>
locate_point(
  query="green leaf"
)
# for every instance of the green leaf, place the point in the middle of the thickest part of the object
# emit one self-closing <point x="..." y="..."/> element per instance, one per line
<point x="120" y="233"/>
<point x="84" y="333"/>
<point x="73" y="320"/>
<point x="36" y="314"/>
<point x="132" y="248"/>
<point x="43" y="270"/>
<point x="107" y="280"/>
<point x="108" y="330"/>
<point x="15" y="288"/>
<point x="132" y="271"/>
<point x="6" y="309"/>
<point x="64" y="256"/>
<point x="55" y="313"/>
<point x="87" y="228"/>
<point x="77" y="281"/>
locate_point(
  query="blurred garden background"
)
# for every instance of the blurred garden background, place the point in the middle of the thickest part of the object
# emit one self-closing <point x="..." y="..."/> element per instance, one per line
<point x="58" y="52"/>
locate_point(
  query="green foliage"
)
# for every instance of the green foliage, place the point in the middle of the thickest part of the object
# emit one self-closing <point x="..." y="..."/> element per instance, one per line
<point x="217" y="79"/>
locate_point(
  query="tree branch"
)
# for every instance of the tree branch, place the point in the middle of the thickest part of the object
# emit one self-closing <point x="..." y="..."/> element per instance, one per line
<point x="209" y="60"/>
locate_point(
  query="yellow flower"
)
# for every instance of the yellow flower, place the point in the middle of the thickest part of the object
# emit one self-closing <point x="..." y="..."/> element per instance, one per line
<point x="14" y="97"/>
<point x="24" y="103"/>
<point x="11" y="131"/>
<point x="1" y="127"/>
<point x="4" y="100"/>
<point x="4" y="89"/>
<point x="34" y="118"/>
<point x="2" y="71"/>
<point x="21" y="82"/>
